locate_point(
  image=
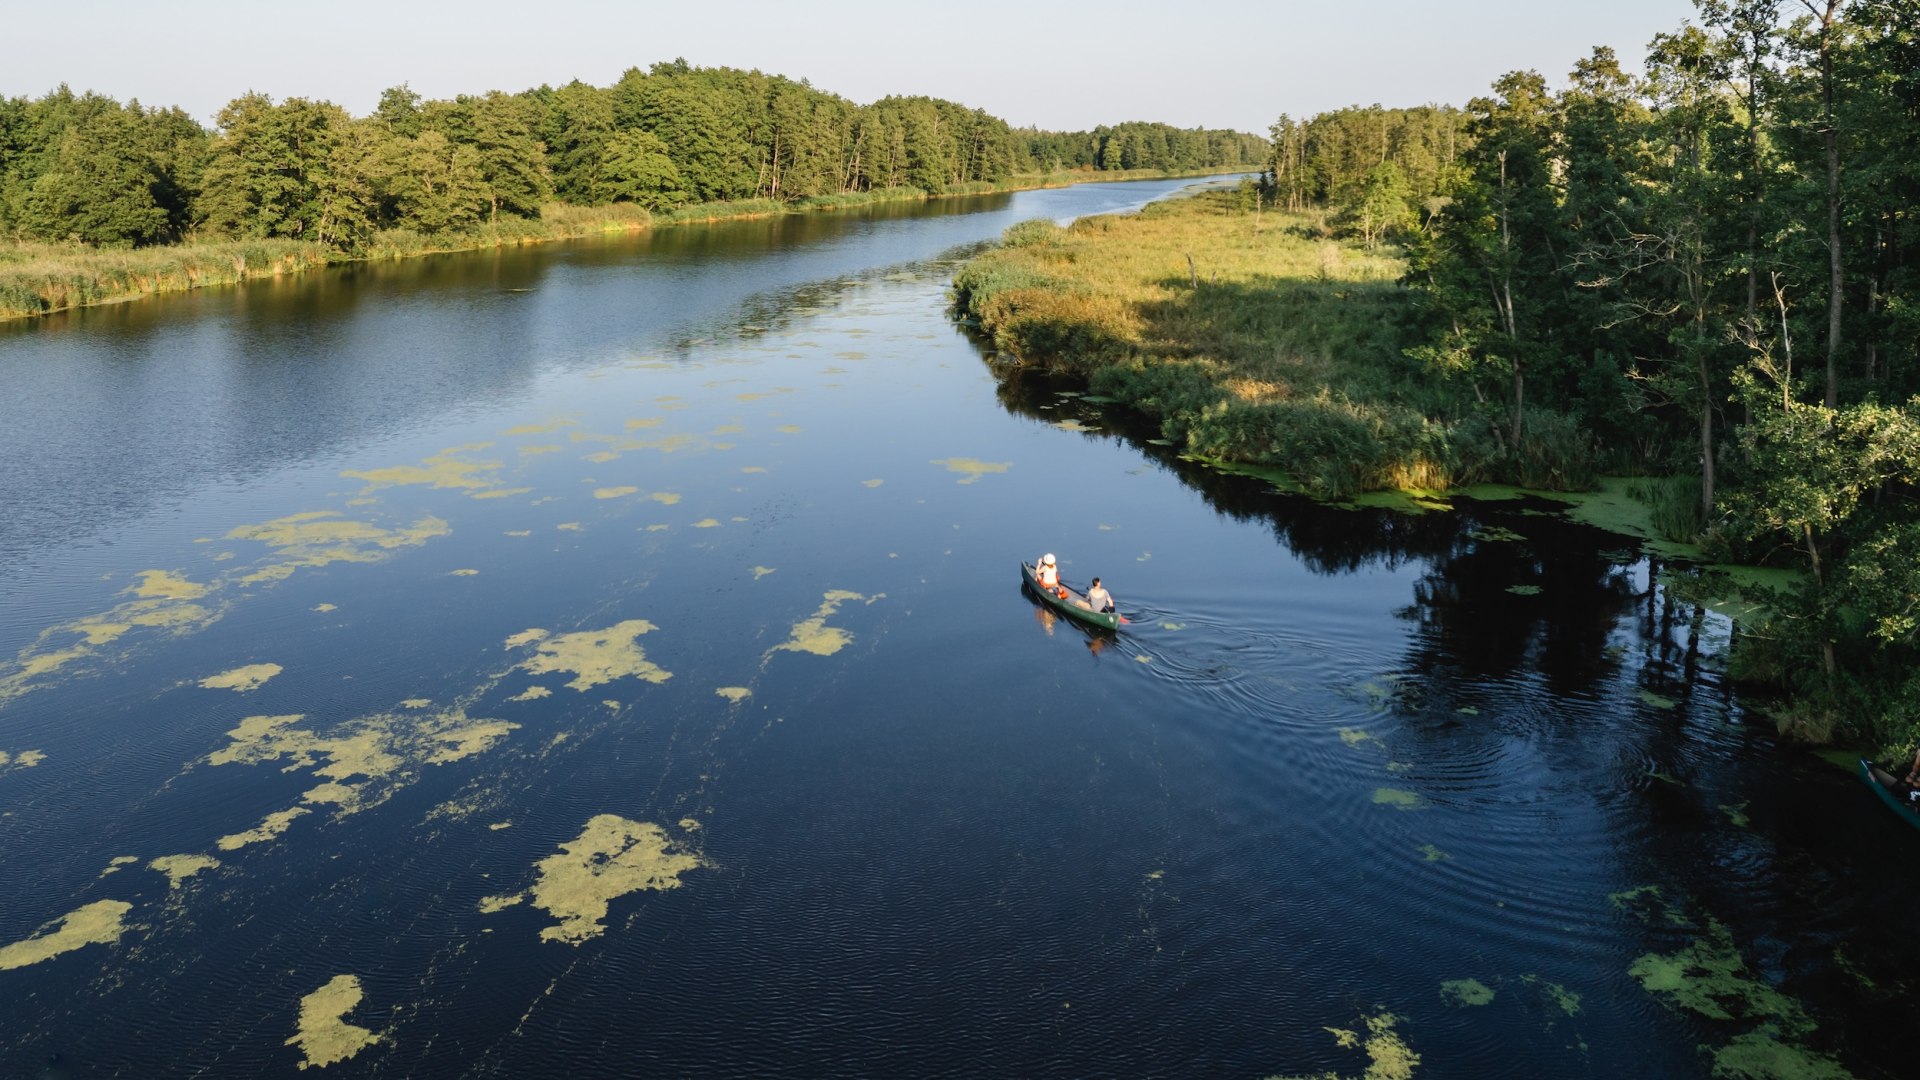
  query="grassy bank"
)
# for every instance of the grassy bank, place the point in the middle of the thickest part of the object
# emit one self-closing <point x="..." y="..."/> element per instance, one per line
<point x="1250" y="337"/>
<point x="39" y="279"/>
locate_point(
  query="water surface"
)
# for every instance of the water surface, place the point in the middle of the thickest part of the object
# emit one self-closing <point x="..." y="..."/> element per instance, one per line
<point x="609" y="658"/>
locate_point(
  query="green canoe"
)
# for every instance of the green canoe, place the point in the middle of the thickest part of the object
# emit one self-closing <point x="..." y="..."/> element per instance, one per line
<point x="1074" y="605"/>
<point x="1891" y="791"/>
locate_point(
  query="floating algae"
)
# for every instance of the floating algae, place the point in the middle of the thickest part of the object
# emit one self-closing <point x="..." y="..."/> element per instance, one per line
<point x="1398" y="799"/>
<point x="728" y="429"/>
<point x="525" y="637"/>
<point x="333" y="793"/>
<point x="1656" y="700"/>
<point x="269" y="828"/>
<point x="161" y="601"/>
<point x="324" y="1036"/>
<point x="179" y="868"/>
<point x="114" y="864"/>
<point x="542" y="429"/>
<point x="1736" y="813"/>
<point x="735" y="694"/>
<point x="161" y="585"/>
<point x="594" y="657"/>
<point x="386" y="747"/>
<point x="707" y="523"/>
<point x="242" y="679"/>
<point x="972" y="469"/>
<point x="568" y="526"/>
<point x="443" y="470"/>
<point x="813" y="635"/>
<point x="753" y="468"/>
<point x="1524" y="590"/>
<point x="532" y="693"/>
<point x="416" y="703"/>
<point x="614" y="492"/>
<point x="1462" y="993"/>
<point x="324" y="608"/>
<point x="25" y="759"/>
<point x="1357" y="737"/>
<point x="99" y="923"/>
<point x="665" y="498"/>
<point x="545" y="448"/>
<point x="322" y="537"/>
<point x="610" y="858"/>
<point x="519" y="532"/>
<point x="872" y="483"/>
<point x="1434" y="854"/>
<point x="1710" y="978"/>
<point x="1388" y="1055"/>
<point x="761" y="571"/>
<point x="644" y="422"/>
<point x="1554" y="994"/>
<point x="789" y="429"/>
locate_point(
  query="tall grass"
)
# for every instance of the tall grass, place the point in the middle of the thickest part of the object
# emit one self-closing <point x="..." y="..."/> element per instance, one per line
<point x="39" y="278"/>
<point x="1249" y="338"/>
<point x="36" y="279"/>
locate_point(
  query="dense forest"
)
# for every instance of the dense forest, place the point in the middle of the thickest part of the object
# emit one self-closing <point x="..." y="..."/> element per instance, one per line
<point x="1711" y="271"/>
<point x="86" y="168"/>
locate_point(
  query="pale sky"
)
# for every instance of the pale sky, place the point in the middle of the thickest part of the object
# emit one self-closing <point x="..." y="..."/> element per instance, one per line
<point x="1066" y="66"/>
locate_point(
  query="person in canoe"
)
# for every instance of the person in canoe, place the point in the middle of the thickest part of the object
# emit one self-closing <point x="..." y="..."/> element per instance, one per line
<point x="1048" y="572"/>
<point x="1100" y="600"/>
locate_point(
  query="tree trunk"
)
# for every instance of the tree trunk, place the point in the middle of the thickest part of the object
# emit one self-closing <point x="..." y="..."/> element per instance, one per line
<point x="1836" y="288"/>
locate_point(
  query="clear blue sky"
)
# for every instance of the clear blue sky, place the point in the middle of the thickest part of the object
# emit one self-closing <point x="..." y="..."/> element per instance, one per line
<point x="1070" y="65"/>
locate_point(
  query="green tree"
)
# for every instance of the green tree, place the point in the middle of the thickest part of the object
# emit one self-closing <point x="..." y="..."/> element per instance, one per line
<point x="639" y="170"/>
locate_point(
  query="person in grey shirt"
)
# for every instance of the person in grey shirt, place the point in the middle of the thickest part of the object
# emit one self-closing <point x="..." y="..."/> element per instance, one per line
<point x="1098" y="598"/>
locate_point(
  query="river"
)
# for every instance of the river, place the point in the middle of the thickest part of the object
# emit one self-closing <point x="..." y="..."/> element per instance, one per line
<point x="609" y="659"/>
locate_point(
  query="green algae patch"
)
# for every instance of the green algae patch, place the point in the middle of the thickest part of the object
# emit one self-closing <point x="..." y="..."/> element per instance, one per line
<point x="1658" y="701"/>
<point x="1433" y="854"/>
<point x="1524" y="590"/>
<point x="789" y="429"/>
<point x="25" y="759"/>
<point x="1413" y="501"/>
<point x="525" y="637"/>
<point x="972" y="469"/>
<point x="1398" y="799"/>
<point x="568" y="526"/>
<point x="324" y="608"/>
<point x="242" y="679"/>
<point x="707" y="523"/>
<point x="1357" y="737"/>
<point x="1761" y="1055"/>
<point x="385" y="749"/>
<point x="1554" y="994"/>
<point x="114" y="864"/>
<point x="615" y="492"/>
<point x="532" y="693"/>
<point x="490" y="904"/>
<point x="874" y="483"/>
<point x="611" y="858"/>
<point x="544" y="448"/>
<point x="1736" y="814"/>
<point x="1388" y="1055"/>
<point x="813" y="635"/>
<point x="1494" y="534"/>
<point x="547" y="428"/>
<point x="179" y="868"/>
<point x="1710" y="978"/>
<point x="322" y="537"/>
<point x="161" y="585"/>
<point x="323" y="1034"/>
<point x="595" y="657"/>
<point x="665" y="498"/>
<point x="761" y="571"/>
<point x="1464" y="993"/>
<point x="445" y="469"/>
<point x="99" y="923"/>
<point x="270" y="828"/>
<point x="735" y="694"/>
<point x="754" y="469"/>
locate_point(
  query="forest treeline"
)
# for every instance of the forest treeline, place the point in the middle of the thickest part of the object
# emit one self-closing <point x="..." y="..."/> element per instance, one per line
<point x="1709" y="270"/>
<point x="1705" y="274"/>
<point x="86" y="168"/>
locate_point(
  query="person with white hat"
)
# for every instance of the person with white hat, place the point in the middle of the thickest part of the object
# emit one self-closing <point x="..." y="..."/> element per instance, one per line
<point x="1048" y="572"/>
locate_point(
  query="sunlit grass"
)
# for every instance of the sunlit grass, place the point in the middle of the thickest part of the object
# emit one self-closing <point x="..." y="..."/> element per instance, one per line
<point x="1250" y="337"/>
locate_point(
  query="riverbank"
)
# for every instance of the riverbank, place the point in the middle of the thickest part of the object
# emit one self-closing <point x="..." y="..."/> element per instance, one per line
<point x="1250" y="337"/>
<point x="41" y="279"/>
